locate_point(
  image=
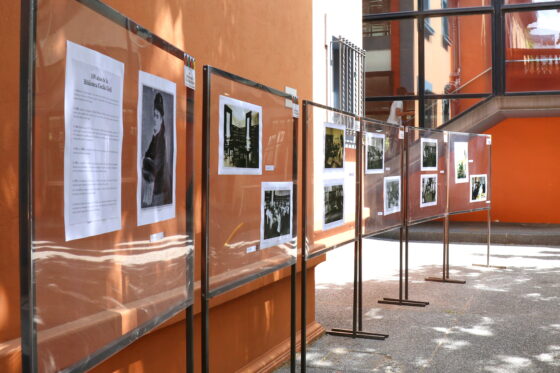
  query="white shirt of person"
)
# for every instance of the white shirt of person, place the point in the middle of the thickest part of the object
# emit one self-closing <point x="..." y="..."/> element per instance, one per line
<point x="393" y="117"/>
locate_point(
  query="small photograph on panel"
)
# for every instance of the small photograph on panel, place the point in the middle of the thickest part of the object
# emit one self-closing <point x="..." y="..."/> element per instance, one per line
<point x="428" y="190"/>
<point x="333" y="213"/>
<point x="276" y="213"/>
<point x="391" y="194"/>
<point x="375" y="153"/>
<point x="240" y="142"/>
<point x="156" y="149"/>
<point x="429" y="154"/>
<point x="461" y="154"/>
<point x="479" y="187"/>
<point x="334" y="146"/>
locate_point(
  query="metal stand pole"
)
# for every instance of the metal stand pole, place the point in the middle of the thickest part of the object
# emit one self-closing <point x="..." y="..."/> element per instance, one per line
<point x="356" y="331"/>
<point x="190" y="340"/>
<point x="303" y="308"/>
<point x="404" y="301"/>
<point x="445" y="270"/>
<point x="293" y="316"/>
<point x="489" y="222"/>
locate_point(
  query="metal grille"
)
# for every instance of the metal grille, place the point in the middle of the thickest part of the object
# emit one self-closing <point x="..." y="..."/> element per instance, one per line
<point x="348" y="76"/>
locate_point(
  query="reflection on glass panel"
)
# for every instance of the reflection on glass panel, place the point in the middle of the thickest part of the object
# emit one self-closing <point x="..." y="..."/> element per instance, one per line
<point x="385" y="6"/>
<point x="439" y="112"/>
<point x="533" y="51"/>
<point x="390" y="61"/>
<point x="390" y="111"/>
<point x="443" y="4"/>
<point x="458" y="55"/>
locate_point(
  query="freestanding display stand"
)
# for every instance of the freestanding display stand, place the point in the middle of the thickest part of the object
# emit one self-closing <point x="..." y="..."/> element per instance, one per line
<point x="332" y="164"/>
<point x="249" y="201"/>
<point x="106" y="240"/>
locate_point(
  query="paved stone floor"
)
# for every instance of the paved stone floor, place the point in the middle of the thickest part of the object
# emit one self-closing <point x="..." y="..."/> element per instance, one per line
<point x="499" y="321"/>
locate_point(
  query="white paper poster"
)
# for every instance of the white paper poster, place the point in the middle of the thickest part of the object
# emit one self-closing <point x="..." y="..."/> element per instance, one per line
<point x="157" y="144"/>
<point x="93" y="102"/>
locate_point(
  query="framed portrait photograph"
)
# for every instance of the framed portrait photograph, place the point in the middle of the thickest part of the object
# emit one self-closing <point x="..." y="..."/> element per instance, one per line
<point x="428" y="190"/>
<point x="240" y="142"/>
<point x="391" y="195"/>
<point x="375" y="153"/>
<point x="428" y="154"/>
<point x="334" y="147"/>
<point x="461" y="155"/>
<point x="333" y="208"/>
<point x="157" y="144"/>
<point x="479" y="187"/>
<point x="276" y="213"/>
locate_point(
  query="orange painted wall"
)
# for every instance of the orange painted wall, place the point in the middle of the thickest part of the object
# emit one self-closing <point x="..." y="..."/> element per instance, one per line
<point x="266" y="41"/>
<point x="525" y="172"/>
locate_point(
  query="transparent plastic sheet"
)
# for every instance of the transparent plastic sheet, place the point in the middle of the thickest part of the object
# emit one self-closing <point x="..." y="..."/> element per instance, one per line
<point x="469" y="172"/>
<point x="381" y="167"/>
<point x="331" y="144"/>
<point x="427" y="174"/>
<point x="252" y="215"/>
<point x="95" y="292"/>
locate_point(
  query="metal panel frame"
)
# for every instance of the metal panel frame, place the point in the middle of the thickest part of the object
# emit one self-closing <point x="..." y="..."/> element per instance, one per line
<point x="29" y="346"/>
<point x="206" y="295"/>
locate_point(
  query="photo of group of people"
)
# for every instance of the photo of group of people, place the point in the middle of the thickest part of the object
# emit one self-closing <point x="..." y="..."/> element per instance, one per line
<point x="478" y="188"/>
<point x="428" y="190"/>
<point x="334" y="146"/>
<point x="276" y="214"/>
<point x="334" y="204"/>
<point x="428" y="154"/>
<point x="391" y="195"/>
<point x="375" y="153"/>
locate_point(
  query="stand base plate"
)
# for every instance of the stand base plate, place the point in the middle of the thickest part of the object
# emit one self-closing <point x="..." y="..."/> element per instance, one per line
<point x="359" y="334"/>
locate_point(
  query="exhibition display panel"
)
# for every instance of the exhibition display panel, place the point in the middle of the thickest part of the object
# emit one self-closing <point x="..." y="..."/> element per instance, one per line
<point x="426" y="169"/>
<point x="469" y="172"/>
<point x="107" y="250"/>
<point x="382" y="158"/>
<point x="251" y="170"/>
<point x="330" y="167"/>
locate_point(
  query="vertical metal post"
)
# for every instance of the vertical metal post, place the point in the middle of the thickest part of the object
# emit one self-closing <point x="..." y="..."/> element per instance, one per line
<point x="293" y="316"/>
<point x="205" y="299"/>
<point x="446" y="247"/>
<point x="190" y="339"/>
<point x="489" y="219"/>
<point x="421" y="67"/>
<point x="305" y="121"/>
<point x="359" y="178"/>
<point x="28" y="24"/>
<point x="498" y="45"/>
<point x="405" y="211"/>
<point x="401" y="237"/>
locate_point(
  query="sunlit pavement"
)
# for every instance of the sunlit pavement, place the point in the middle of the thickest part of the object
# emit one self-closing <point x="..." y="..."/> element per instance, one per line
<point x="499" y="321"/>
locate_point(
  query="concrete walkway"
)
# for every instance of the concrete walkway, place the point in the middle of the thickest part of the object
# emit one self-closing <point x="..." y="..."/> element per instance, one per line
<point x="500" y="321"/>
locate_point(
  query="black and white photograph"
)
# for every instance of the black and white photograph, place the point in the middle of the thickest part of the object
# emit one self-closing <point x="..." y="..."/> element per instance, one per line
<point x="461" y="157"/>
<point x="334" y="147"/>
<point x="156" y="149"/>
<point x="333" y="212"/>
<point x="391" y="195"/>
<point x="375" y="153"/>
<point x="428" y="190"/>
<point x="479" y="187"/>
<point x="276" y="213"/>
<point x="240" y="132"/>
<point x="428" y="154"/>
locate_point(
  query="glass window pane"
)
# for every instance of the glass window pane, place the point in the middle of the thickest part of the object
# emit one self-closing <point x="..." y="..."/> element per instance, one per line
<point x="444" y="4"/>
<point x="391" y="57"/>
<point x="458" y="54"/>
<point x="381" y="110"/>
<point x="385" y="6"/>
<point x="439" y="112"/>
<point x="533" y="51"/>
